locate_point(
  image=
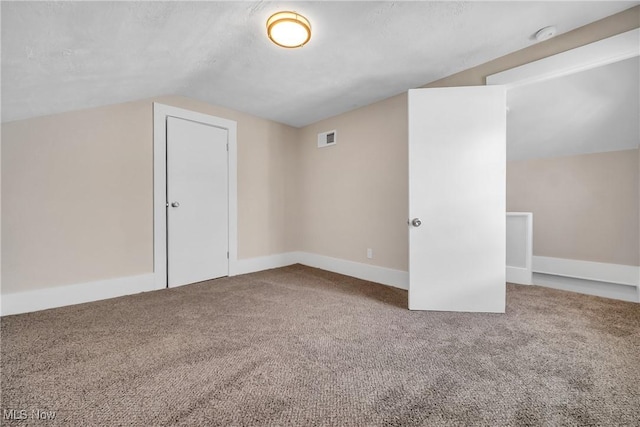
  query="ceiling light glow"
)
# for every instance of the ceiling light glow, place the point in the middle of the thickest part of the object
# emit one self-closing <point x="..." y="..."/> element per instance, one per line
<point x="289" y="29"/>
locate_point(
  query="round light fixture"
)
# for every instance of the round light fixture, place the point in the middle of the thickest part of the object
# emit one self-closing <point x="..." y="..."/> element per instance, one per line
<point x="288" y="29"/>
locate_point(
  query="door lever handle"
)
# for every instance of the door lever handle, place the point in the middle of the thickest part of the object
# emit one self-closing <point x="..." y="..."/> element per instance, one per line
<point x="175" y="205"/>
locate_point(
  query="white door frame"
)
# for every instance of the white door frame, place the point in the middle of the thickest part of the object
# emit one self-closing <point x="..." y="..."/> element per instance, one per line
<point x="160" y="114"/>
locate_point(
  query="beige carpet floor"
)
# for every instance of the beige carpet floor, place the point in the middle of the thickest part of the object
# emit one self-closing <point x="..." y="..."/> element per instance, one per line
<point x="298" y="346"/>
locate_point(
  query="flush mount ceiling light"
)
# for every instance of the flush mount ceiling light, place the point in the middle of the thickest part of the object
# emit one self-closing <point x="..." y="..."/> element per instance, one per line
<point x="288" y="29"/>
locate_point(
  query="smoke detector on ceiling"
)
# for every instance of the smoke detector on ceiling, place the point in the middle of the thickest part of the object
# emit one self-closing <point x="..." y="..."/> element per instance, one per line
<point x="546" y="33"/>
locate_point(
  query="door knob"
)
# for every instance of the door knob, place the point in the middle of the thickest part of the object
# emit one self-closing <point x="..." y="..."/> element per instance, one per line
<point x="175" y="204"/>
<point x="416" y="222"/>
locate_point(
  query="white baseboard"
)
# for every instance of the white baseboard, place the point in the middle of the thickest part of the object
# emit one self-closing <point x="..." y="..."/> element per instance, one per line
<point x="518" y="275"/>
<point x="588" y="270"/>
<point x="42" y="299"/>
<point x="372" y="273"/>
<point x="251" y="265"/>
<point x="606" y="280"/>
<point x="592" y="278"/>
<point x="589" y="287"/>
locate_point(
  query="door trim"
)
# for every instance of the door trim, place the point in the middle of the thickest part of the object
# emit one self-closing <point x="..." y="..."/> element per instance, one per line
<point x="160" y="114"/>
<point x="606" y="51"/>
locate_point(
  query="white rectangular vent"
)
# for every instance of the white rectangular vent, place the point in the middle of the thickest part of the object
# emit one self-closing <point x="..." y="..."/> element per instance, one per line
<point x="326" y="139"/>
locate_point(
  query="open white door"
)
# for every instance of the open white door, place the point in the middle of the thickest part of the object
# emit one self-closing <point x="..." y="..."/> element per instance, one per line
<point x="457" y="164"/>
<point x="197" y="194"/>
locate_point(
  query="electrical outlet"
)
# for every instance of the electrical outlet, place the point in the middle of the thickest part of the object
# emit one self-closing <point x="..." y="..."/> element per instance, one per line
<point x="369" y="253"/>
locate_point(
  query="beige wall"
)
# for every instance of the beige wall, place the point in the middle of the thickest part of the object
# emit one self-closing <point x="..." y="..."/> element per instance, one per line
<point x="266" y="180"/>
<point x="77" y="192"/>
<point x="77" y="187"/>
<point x="354" y="195"/>
<point x="584" y="207"/>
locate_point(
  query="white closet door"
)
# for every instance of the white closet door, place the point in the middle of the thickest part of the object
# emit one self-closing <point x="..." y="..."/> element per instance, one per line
<point x="197" y="194"/>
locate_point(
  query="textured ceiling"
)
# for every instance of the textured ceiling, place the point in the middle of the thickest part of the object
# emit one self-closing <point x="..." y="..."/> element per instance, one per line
<point x="591" y="111"/>
<point x="62" y="56"/>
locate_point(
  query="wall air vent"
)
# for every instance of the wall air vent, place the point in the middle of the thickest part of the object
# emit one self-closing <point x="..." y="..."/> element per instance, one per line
<point x="326" y="139"/>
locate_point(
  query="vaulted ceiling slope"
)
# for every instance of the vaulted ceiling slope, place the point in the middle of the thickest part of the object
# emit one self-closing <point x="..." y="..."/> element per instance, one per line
<point x="591" y="111"/>
<point x="62" y="56"/>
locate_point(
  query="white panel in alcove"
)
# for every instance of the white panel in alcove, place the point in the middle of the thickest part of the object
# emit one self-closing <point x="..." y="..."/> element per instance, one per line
<point x="517" y="241"/>
<point x="519" y="247"/>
